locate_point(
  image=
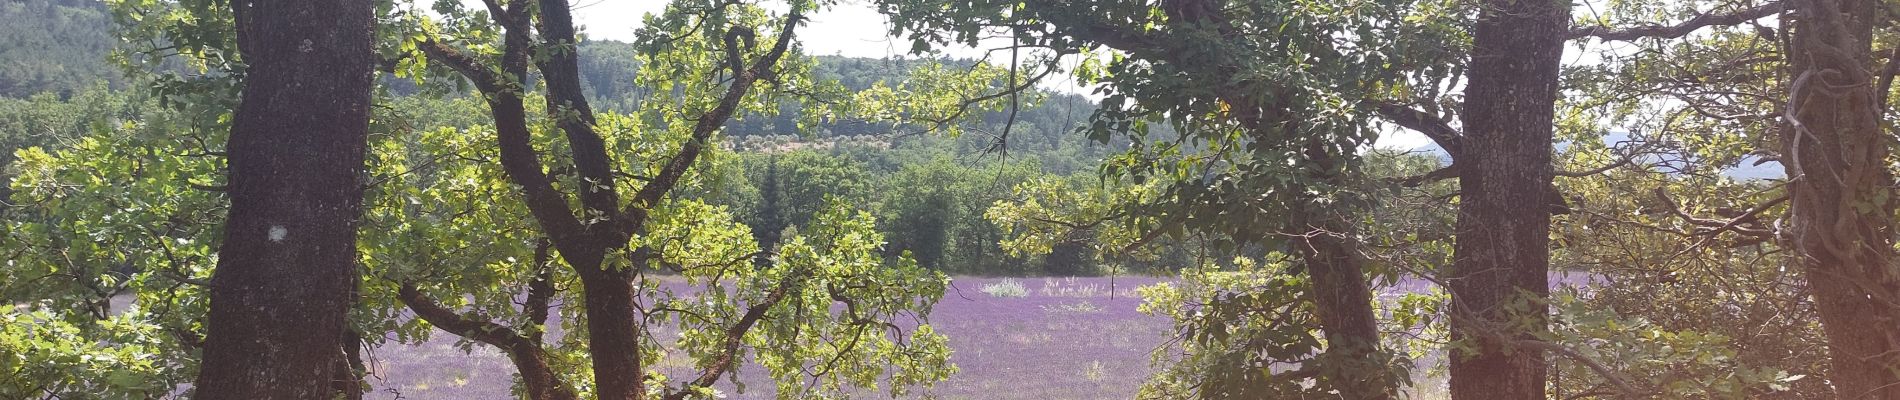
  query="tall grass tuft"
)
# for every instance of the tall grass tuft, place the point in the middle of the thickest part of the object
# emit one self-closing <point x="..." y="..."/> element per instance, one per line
<point x="1007" y="288"/>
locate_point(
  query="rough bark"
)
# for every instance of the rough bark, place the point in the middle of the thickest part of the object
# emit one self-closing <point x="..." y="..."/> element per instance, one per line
<point x="613" y="334"/>
<point x="1840" y="223"/>
<point x="286" y="270"/>
<point x="1502" y="245"/>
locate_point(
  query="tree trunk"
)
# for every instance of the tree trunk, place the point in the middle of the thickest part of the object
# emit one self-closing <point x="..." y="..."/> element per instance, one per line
<point x="1343" y="302"/>
<point x="1502" y="247"/>
<point x="1325" y="240"/>
<point x="287" y="268"/>
<point x="1841" y="189"/>
<point x="613" y="336"/>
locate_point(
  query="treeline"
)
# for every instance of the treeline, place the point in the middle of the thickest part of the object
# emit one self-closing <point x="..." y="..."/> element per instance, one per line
<point x="55" y="46"/>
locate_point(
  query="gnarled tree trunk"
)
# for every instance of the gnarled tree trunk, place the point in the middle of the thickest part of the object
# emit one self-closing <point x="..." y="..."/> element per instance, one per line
<point x="1841" y="192"/>
<point x="287" y="269"/>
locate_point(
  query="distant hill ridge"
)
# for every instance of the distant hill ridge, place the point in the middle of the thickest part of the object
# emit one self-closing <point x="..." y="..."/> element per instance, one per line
<point x="1745" y="170"/>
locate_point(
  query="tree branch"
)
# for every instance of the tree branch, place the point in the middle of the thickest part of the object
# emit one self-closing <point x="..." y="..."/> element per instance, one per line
<point x="735" y="336"/>
<point x="1448" y="172"/>
<point x="518" y="156"/>
<point x="567" y="106"/>
<point x="484" y="80"/>
<point x="712" y="120"/>
<point x="540" y="290"/>
<point x="1629" y="156"/>
<point x="1608" y="34"/>
<point x="1432" y="126"/>
<point x="1712" y="227"/>
<point x="481" y="331"/>
<point x="1616" y="379"/>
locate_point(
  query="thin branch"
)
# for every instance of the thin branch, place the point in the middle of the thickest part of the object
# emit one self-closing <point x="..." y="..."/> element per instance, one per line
<point x="735" y="336"/>
<point x="1622" y="384"/>
<point x="712" y="120"/>
<point x="1628" y="157"/>
<point x="1448" y="172"/>
<point x="1738" y="17"/>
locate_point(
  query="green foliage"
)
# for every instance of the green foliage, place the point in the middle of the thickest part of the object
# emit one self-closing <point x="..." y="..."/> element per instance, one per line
<point x="806" y="179"/>
<point x="121" y="357"/>
<point x="1224" y="316"/>
<point x="52" y="121"/>
<point x="1679" y="364"/>
<point x="839" y="259"/>
<point x="112" y="196"/>
<point x="119" y="216"/>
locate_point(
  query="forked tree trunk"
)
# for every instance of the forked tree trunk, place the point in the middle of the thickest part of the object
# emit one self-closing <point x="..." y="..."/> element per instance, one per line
<point x="1502" y="245"/>
<point x="1842" y="194"/>
<point x="287" y="269"/>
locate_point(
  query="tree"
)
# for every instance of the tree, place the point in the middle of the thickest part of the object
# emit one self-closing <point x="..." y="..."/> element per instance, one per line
<point x="705" y="77"/>
<point x="1503" y="241"/>
<point x="1840" y="184"/>
<point x="286" y="275"/>
<point x="1753" y="99"/>
<point x="1270" y="100"/>
<point x="768" y="219"/>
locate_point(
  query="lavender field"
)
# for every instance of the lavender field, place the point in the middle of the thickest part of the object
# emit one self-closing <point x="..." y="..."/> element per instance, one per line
<point x="1064" y="338"/>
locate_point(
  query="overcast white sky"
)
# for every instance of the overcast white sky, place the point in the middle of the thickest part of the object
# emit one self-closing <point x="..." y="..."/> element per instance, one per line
<point x="852" y="28"/>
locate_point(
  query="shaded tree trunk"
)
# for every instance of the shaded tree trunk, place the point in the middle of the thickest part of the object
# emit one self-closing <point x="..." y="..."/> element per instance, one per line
<point x="1841" y="194"/>
<point x="1502" y="245"/>
<point x="1343" y="302"/>
<point x="1325" y="242"/>
<point x="287" y="269"/>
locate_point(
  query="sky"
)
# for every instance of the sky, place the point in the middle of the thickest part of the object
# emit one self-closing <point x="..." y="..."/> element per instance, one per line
<point x="851" y="28"/>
